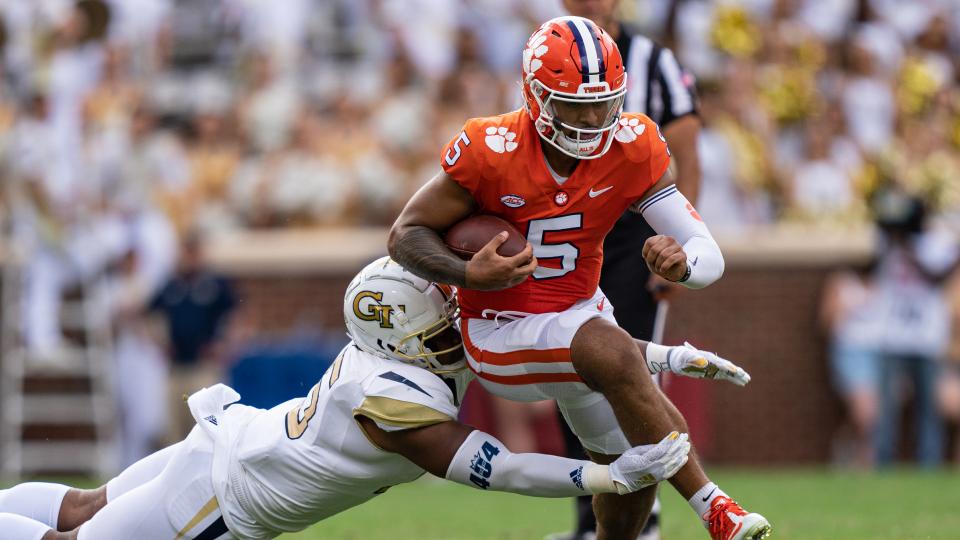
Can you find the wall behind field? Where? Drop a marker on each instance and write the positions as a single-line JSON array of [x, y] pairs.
[[762, 315], [763, 318]]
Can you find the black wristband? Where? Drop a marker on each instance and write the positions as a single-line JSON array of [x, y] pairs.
[[686, 275]]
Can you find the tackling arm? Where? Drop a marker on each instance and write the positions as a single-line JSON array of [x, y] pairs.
[[471, 457]]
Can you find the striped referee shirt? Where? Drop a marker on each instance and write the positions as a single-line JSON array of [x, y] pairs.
[[656, 83]]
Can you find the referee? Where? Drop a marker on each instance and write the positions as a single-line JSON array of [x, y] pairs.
[[658, 87]]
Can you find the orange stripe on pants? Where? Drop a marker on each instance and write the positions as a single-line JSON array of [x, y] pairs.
[[528, 356]]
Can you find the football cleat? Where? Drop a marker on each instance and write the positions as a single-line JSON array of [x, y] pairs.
[[727, 520]]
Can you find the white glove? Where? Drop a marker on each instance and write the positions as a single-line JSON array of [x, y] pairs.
[[646, 465], [689, 361]]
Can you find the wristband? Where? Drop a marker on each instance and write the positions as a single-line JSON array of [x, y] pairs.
[[596, 479], [657, 357]]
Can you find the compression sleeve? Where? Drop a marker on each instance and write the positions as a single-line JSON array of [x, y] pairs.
[[484, 462], [669, 213]]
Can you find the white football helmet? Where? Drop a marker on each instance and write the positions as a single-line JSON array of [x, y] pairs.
[[391, 313]]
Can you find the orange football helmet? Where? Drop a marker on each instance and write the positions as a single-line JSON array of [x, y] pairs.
[[573, 63]]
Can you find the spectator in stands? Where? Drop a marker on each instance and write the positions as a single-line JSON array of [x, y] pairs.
[[736, 172], [270, 106], [110, 103], [298, 184], [821, 187], [912, 266], [66, 242], [867, 94], [214, 151], [141, 374], [847, 312], [949, 391], [195, 304]]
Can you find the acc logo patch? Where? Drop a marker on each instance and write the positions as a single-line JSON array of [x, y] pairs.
[[513, 201]]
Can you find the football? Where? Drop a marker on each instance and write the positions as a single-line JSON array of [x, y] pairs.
[[470, 235]]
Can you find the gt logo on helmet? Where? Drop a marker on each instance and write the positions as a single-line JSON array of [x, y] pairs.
[[374, 311]]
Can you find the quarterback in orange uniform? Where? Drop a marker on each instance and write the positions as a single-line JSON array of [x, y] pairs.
[[536, 325]]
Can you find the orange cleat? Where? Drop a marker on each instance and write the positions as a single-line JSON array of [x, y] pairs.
[[726, 520]]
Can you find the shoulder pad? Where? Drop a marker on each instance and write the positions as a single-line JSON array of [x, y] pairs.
[[640, 138], [404, 397], [481, 144]]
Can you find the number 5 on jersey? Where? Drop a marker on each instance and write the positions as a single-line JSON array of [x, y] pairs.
[[537, 230], [299, 417], [454, 153]]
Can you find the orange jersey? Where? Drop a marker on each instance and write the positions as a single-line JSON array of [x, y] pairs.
[[499, 160]]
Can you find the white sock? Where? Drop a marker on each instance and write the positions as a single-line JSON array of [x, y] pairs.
[[700, 502], [22, 528], [38, 501]]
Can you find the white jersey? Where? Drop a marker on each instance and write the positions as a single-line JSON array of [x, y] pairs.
[[304, 460]]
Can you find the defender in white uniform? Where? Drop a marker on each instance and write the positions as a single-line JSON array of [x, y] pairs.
[[383, 414]]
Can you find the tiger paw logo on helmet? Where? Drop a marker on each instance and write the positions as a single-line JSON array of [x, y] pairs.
[[629, 130], [535, 49], [500, 140]]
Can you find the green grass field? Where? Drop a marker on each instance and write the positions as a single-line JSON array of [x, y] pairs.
[[801, 504]]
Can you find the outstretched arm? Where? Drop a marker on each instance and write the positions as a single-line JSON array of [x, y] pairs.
[[416, 244], [471, 457]]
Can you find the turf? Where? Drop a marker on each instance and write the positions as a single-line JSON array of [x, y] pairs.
[[801, 504]]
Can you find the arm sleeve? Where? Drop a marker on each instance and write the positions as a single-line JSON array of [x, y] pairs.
[[669, 213], [647, 149], [485, 463], [676, 88]]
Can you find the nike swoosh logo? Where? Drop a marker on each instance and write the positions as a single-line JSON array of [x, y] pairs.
[[707, 498], [599, 191], [695, 259]]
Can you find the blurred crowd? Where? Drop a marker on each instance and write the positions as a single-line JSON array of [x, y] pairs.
[[231, 114], [811, 106], [129, 127], [894, 341]]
